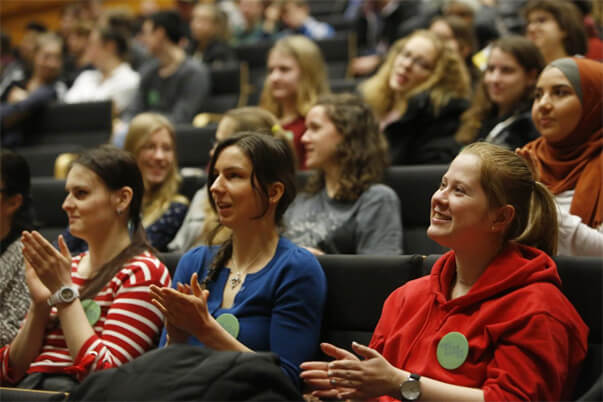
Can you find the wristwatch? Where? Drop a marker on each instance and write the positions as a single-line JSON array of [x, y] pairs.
[[411, 388], [66, 294]]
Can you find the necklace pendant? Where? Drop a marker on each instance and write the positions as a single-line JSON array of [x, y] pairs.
[[235, 280]]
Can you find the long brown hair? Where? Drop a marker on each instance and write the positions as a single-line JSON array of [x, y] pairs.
[[116, 169], [507, 179], [266, 153], [530, 59], [363, 152], [569, 20], [248, 118]]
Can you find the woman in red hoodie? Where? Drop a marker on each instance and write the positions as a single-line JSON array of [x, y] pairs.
[[490, 322]]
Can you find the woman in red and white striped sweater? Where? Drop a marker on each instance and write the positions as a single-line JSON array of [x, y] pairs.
[[93, 311]]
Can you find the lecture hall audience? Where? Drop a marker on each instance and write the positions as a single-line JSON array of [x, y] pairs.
[[101, 299]]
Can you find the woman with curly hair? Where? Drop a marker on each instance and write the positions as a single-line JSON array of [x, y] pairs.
[[151, 139], [344, 209], [296, 78], [418, 95], [500, 111]]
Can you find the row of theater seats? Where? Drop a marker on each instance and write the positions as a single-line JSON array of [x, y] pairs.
[[413, 184], [359, 285]]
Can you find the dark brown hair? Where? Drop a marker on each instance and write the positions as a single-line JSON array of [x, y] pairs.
[[528, 56], [568, 18], [363, 152], [117, 169], [272, 161]]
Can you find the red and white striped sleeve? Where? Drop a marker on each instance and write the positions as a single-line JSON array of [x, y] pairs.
[[5, 378], [131, 323]]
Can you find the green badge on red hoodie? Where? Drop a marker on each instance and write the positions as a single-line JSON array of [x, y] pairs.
[[452, 350]]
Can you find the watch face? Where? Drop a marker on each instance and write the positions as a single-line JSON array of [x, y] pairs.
[[67, 294], [411, 390]]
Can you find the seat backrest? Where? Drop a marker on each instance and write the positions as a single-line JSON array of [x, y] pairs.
[[171, 261], [191, 184], [582, 284], [338, 52], [415, 185], [357, 286], [48, 195], [86, 124], [229, 85], [74, 118], [41, 158], [193, 144]]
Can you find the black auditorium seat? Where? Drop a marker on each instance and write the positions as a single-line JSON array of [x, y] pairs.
[[193, 145], [415, 186], [357, 287], [229, 87], [87, 124], [48, 195]]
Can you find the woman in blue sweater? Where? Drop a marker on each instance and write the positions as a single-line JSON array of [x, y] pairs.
[[257, 291]]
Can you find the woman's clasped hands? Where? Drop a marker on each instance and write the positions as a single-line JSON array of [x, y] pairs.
[[348, 377], [46, 269], [185, 310]]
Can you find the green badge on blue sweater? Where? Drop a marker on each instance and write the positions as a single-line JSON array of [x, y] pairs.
[[230, 323]]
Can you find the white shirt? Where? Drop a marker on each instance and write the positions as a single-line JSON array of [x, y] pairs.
[[576, 238], [120, 87]]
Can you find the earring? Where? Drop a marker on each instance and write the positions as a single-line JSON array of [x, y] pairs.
[[118, 211]]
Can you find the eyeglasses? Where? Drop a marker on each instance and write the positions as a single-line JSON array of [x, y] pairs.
[[416, 61]]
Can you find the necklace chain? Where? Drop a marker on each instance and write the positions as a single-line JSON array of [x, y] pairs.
[[235, 279]]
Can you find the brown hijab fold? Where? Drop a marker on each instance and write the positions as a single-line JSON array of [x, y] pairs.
[[576, 161]]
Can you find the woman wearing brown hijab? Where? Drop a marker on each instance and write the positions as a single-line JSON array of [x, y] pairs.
[[567, 111]]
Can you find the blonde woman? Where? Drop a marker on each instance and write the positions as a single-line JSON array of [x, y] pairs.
[[296, 77], [201, 225], [151, 140], [418, 95]]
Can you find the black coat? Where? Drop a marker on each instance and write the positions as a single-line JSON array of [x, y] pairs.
[[191, 373], [421, 136], [514, 131]]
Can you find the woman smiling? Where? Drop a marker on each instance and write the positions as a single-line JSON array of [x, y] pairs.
[[152, 141], [418, 95]]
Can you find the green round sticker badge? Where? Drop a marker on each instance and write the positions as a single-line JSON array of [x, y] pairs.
[[230, 323], [92, 310], [452, 350]]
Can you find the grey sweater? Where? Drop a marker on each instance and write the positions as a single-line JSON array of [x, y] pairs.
[[370, 225]]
